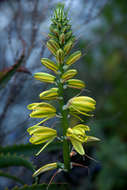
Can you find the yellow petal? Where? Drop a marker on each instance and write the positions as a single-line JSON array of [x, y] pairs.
[[60, 56], [44, 77], [40, 129], [50, 94], [73, 58], [45, 145], [45, 168], [90, 139], [49, 64], [81, 126], [75, 83], [69, 74], [77, 146]]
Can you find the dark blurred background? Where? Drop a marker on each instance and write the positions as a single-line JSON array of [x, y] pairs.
[[100, 28]]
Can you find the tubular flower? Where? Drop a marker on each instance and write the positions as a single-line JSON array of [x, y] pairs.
[[45, 168], [69, 74], [81, 105], [50, 94], [41, 110], [41, 134], [75, 83], [49, 64], [44, 77], [60, 56], [78, 136], [73, 58]]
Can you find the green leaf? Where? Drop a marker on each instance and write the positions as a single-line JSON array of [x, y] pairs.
[[3, 174], [28, 149], [7, 76], [43, 187], [7, 160]]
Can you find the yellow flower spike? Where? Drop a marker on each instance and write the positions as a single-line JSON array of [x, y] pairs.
[[73, 58], [49, 64], [50, 94], [60, 56], [69, 74], [75, 83], [45, 168], [44, 77], [81, 105], [41, 134], [41, 110]]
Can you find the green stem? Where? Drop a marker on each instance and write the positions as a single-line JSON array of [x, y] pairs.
[[64, 122]]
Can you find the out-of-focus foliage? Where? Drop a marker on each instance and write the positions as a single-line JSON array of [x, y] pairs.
[[106, 68]]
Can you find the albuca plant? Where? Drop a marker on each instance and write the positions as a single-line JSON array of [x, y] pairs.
[[60, 43]]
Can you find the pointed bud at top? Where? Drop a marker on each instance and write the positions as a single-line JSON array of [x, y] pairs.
[[44, 77], [59, 13]]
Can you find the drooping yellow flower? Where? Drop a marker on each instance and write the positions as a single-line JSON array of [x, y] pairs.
[[41, 134], [78, 136], [81, 105], [45, 168]]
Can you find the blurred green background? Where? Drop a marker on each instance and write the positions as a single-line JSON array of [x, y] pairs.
[[101, 31]]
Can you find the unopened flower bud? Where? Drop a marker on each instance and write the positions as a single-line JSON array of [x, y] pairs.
[[50, 94], [49, 64], [75, 83], [69, 74], [60, 56], [73, 58], [44, 77]]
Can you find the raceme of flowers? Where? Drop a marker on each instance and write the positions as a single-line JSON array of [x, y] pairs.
[[60, 43]]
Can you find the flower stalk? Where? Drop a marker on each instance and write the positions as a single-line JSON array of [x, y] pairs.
[[60, 43]]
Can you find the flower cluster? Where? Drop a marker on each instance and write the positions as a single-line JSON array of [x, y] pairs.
[[60, 43]]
